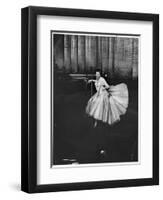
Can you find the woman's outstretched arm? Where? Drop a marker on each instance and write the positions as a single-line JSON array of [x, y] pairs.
[[91, 80]]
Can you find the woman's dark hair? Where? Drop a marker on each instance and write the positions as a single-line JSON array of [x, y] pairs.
[[99, 70]]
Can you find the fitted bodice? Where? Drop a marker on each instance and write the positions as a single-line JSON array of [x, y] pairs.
[[101, 84]]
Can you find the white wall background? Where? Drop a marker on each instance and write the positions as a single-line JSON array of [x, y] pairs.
[[10, 79]]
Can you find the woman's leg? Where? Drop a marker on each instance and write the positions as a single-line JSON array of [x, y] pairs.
[[95, 124]]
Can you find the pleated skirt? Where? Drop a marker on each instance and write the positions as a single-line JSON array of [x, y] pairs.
[[108, 106]]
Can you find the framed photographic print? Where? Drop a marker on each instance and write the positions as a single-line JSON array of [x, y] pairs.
[[90, 99]]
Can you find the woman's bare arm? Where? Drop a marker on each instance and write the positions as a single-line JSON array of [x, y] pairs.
[[91, 80], [105, 84]]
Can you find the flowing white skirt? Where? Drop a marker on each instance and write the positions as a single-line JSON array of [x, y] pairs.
[[109, 105]]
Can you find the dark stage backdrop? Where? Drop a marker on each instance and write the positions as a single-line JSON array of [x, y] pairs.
[[117, 56]]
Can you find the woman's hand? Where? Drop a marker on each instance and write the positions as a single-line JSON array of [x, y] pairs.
[[106, 87], [90, 81]]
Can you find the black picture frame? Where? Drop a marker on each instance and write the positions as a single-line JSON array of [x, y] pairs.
[[29, 98]]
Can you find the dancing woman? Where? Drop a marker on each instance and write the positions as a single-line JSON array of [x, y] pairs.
[[109, 102]]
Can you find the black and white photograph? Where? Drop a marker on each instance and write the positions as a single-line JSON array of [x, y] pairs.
[[94, 98], [90, 99]]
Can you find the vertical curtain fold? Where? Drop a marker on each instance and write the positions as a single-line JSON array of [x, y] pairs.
[[117, 56]]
